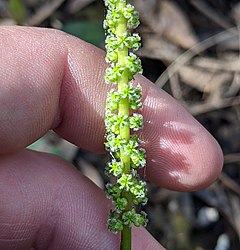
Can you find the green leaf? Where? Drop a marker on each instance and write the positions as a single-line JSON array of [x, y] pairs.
[[17, 9]]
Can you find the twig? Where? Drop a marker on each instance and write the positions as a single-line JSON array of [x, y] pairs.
[[210, 106], [232, 65], [76, 5], [209, 12], [229, 183], [232, 158], [175, 87]]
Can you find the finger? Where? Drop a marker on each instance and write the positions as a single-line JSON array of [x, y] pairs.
[[47, 204], [141, 239], [181, 154], [52, 80]]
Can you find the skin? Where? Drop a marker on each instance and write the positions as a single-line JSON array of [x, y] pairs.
[[50, 80]]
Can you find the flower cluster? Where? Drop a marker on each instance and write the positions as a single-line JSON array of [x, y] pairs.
[[116, 9], [122, 121]]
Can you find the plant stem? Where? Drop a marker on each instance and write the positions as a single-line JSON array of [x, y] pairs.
[[121, 30], [126, 238]]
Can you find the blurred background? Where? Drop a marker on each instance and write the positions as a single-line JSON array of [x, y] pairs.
[[190, 48]]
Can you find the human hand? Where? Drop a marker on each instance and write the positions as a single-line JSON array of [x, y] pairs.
[[50, 80]]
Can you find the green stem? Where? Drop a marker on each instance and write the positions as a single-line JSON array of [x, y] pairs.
[[126, 238], [121, 29]]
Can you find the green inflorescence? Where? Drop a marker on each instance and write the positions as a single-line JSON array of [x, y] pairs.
[[128, 190]]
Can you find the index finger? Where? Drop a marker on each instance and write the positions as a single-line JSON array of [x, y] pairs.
[[50, 80]]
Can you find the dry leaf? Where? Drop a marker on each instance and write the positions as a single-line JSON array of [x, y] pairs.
[[158, 48], [165, 18], [202, 80], [74, 6]]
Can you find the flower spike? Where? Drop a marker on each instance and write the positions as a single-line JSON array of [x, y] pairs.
[[122, 120]]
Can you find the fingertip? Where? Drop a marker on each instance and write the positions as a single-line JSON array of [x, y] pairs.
[[181, 154], [143, 240]]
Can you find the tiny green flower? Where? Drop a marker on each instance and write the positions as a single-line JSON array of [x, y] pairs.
[[112, 102], [138, 190], [129, 217], [113, 73], [115, 168], [140, 219], [130, 147], [113, 191], [138, 158], [115, 122], [133, 64], [136, 122], [111, 56], [115, 224], [121, 204], [132, 16], [114, 143], [125, 181]]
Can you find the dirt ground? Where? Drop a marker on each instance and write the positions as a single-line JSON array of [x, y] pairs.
[[190, 48]]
